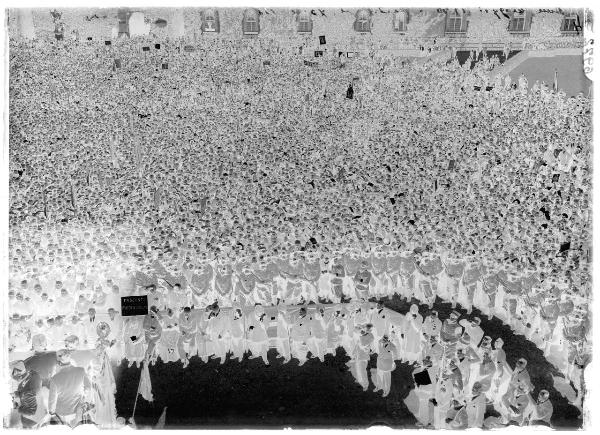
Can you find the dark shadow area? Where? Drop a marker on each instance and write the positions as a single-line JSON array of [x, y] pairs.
[[250, 394]]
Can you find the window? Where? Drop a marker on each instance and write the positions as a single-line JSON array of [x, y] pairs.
[[571, 24], [305, 23], [400, 21], [250, 23], [210, 21], [456, 22], [520, 22], [362, 23]]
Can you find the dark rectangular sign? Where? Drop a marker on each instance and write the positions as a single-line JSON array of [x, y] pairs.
[[134, 305]]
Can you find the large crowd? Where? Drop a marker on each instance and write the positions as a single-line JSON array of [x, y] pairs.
[[236, 173]]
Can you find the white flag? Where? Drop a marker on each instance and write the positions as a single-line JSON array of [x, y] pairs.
[[146, 384]]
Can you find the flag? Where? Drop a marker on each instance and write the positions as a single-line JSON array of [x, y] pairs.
[[555, 85], [146, 384], [73, 196], [160, 424]]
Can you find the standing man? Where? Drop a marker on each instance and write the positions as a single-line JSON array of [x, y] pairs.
[[27, 400], [382, 375], [69, 388]]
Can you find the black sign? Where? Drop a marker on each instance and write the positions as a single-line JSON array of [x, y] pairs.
[[107, 43], [165, 66], [157, 46], [58, 36], [422, 378], [318, 53], [322, 40], [145, 48], [134, 306], [266, 62]]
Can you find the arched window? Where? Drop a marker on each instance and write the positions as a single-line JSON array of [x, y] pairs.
[[362, 23], [456, 21], [305, 23], [250, 22], [210, 21], [400, 21]]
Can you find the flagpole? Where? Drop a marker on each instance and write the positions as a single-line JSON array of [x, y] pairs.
[[137, 394]]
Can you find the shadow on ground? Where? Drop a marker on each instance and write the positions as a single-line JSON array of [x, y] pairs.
[[250, 394]]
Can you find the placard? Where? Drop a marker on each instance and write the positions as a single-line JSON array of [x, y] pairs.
[[134, 305], [107, 42]]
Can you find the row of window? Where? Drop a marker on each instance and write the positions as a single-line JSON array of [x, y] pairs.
[[519, 22], [456, 22], [251, 21]]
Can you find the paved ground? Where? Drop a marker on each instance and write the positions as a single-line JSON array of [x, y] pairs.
[[314, 395], [571, 78]]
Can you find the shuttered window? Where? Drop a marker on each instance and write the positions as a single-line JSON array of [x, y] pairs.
[[520, 22], [362, 23], [305, 23], [250, 23], [210, 23], [400, 21], [571, 24], [456, 22]]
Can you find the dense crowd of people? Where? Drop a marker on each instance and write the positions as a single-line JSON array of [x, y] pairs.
[[235, 172], [458, 372]]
